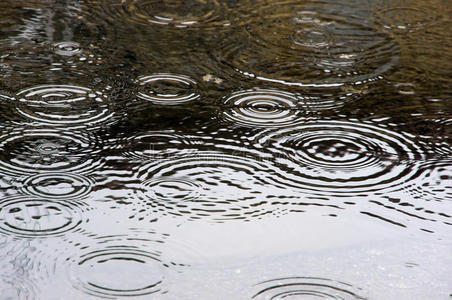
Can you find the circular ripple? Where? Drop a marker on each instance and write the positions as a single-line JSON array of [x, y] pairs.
[[167, 89], [157, 145], [409, 16], [34, 217], [171, 190], [305, 287], [63, 104], [58, 186], [130, 262], [67, 48], [311, 45], [262, 108], [125, 265], [180, 14], [32, 151], [342, 157], [205, 185]]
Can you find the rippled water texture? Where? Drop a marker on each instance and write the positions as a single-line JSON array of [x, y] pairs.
[[210, 149]]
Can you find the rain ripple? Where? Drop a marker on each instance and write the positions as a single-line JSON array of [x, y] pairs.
[[306, 287], [114, 266], [263, 108], [57, 186], [179, 14], [167, 89], [63, 105], [26, 216], [310, 44], [341, 157], [31, 151], [214, 186]]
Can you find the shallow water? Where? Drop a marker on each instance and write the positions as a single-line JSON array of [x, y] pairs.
[[225, 149]]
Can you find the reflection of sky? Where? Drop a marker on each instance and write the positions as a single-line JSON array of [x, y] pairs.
[[373, 258]]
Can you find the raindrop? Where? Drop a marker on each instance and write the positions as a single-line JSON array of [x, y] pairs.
[[67, 48]]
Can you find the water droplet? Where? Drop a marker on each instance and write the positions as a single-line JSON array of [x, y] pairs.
[[67, 48]]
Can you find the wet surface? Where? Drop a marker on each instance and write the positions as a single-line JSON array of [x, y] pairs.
[[225, 149]]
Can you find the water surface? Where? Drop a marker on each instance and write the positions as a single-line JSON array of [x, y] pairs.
[[225, 149]]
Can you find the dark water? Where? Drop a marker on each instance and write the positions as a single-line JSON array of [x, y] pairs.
[[225, 149]]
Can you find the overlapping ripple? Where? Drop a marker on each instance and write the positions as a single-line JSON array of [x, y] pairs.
[[167, 89], [123, 265], [342, 157], [306, 288], [262, 108], [63, 105], [206, 185], [36, 217], [178, 14], [432, 181], [310, 44], [31, 151]]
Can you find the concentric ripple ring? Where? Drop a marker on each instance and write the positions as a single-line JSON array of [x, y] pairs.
[[32, 151], [342, 157], [63, 105], [262, 108], [61, 186], [310, 46], [167, 89]]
